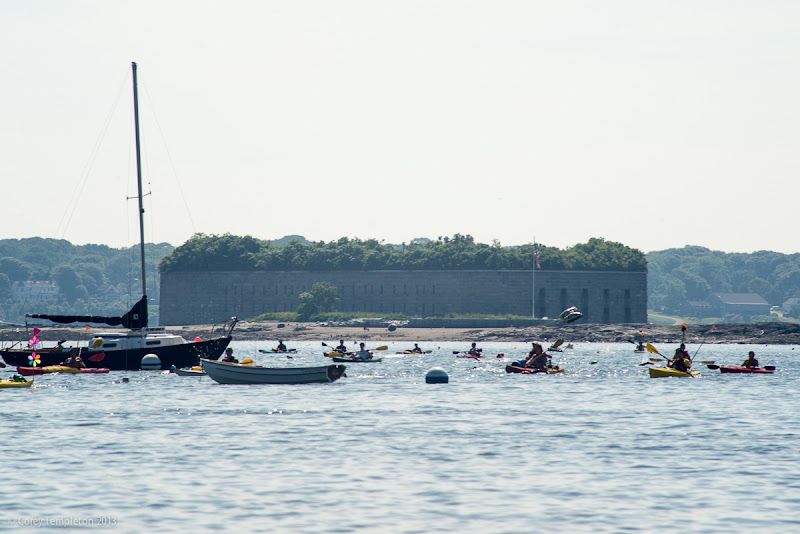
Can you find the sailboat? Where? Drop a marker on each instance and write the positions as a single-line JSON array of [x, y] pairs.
[[139, 347]]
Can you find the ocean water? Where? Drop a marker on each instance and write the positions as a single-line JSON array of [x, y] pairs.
[[601, 448]]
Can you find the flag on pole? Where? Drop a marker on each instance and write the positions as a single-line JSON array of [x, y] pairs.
[[536, 255]]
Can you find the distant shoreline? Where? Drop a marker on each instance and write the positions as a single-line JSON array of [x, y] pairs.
[[752, 333]]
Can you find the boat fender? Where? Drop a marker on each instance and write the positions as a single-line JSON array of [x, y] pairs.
[[150, 362], [437, 375], [97, 342]]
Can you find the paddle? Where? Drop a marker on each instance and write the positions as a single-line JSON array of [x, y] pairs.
[[651, 348], [2, 365]]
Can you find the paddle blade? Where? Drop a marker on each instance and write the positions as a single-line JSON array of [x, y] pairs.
[[713, 366], [769, 367], [248, 361], [382, 347], [97, 357], [651, 348]]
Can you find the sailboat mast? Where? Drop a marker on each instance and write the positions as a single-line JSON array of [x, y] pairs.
[[139, 175]]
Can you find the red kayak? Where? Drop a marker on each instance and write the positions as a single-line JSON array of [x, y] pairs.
[[30, 371], [745, 370], [533, 371]]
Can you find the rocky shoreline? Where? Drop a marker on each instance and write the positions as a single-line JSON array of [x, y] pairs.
[[772, 333]]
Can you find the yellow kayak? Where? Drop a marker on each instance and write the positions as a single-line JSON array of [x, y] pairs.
[[16, 383], [658, 372]]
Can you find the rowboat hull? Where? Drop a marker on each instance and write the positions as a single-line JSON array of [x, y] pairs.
[[235, 373], [745, 370], [16, 384], [532, 371], [660, 372]]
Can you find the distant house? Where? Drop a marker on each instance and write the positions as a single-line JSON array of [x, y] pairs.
[[700, 308], [35, 291], [738, 307], [109, 293], [790, 303]]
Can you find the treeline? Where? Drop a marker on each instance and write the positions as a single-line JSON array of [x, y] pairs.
[[679, 275], [460, 252], [92, 279]]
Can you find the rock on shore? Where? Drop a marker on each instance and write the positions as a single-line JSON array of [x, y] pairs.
[[772, 333]]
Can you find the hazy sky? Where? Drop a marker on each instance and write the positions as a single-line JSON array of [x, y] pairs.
[[653, 123]]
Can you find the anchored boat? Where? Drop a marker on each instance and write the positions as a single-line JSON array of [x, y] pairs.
[[125, 350]]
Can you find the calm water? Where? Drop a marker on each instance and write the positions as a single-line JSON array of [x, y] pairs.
[[602, 448]]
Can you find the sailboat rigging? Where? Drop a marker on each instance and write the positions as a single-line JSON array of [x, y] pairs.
[[125, 350]]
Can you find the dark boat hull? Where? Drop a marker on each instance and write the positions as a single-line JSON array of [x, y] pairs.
[[533, 371], [183, 355]]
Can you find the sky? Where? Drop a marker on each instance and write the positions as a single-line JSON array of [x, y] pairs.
[[655, 124]]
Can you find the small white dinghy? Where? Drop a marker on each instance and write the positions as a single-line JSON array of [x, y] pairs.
[[237, 373]]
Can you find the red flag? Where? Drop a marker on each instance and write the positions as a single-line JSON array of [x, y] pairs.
[[36, 331], [97, 357], [536, 255]]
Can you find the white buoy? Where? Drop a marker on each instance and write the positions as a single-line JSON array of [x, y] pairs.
[[150, 362], [437, 375]]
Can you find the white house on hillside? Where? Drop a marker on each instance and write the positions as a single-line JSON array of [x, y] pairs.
[[35, 291]]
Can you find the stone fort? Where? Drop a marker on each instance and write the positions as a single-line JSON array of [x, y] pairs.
[[602, 296]]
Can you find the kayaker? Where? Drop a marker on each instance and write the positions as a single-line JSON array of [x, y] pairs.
[[474, 351], [537, 357], [750, 362], [416, 349], [229, 356], [682, 361], [281, 346], [341, 348], [74, 359], [363, 354]]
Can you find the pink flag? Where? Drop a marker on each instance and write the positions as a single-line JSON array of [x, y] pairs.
[[36, 331], [536, 255]]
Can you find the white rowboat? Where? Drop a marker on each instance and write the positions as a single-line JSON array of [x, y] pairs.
[[236, 373]]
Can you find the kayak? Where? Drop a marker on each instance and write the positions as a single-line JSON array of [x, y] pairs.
[[30, 371], [744, 370], [16, 384], [189, 372], [276, 351], [658, 372], [533, 371], [354, 360]]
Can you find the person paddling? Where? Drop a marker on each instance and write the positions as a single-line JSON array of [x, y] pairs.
[[474, 352], [682, 361], [363, 354], [281, 346], [74, 360], [537, 358], [751, 362], [416, 349], [341, 348]]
